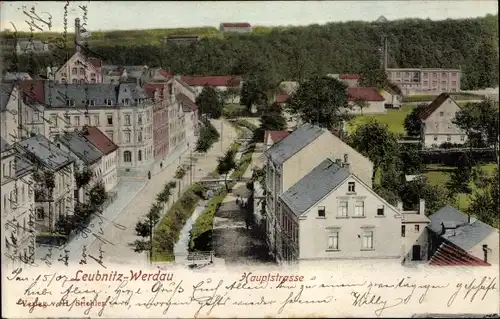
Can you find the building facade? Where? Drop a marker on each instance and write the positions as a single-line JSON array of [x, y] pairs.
[[18, 207], [348, 219], [123, 112], [229, 86], [235, 27], [414, 81], [365, 101], [78, 70], [290, 160], [191, 119], [160, 94], [437, 122]]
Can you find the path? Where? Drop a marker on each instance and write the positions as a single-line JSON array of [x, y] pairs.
[[121, 251]]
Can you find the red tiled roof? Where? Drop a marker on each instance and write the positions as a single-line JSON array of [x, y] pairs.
[[100, 140], [224, 80], [237, 25], [431, 108], [282, 98], [364, 94], [150, 88], [349, 76], [187, 101], [276, 136], [449, 254], [165, 73], [34, 90], [96, 62]]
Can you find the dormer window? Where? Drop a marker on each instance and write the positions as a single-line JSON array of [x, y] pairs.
[[70, 102], [108, 102], [126, 102], [91, 102]]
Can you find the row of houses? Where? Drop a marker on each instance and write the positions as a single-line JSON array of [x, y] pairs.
[[323, 207]]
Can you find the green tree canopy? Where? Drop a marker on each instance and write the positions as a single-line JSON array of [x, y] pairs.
[[413, 123], [210, 102], [226, 163]]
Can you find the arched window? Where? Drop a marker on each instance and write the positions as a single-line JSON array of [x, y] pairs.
[[139, 155], [82, 71], [92, 81], [74, 71], [63, 81], [127, 157]]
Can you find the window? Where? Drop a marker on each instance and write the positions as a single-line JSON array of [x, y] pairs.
[[82, 71], [63, 81], [127, 156], [380, 210], [435, 138], [139, 136], [74, 71], [454, 74], [417, 228], [425, 75], [110, 135], [368, 239], [108, 102], [454, 83], [139, 155], [139, 119], [53, 120], [127, 119], [403, 230], [110, 119], [74, 81], [92, 81], [443, 74], [91, 102], [441, 113], [333, 241], [126, 102], [426, 83], [359, 209], [321, 211], [96, 120], [92, 74], [36, 116], [343, 209], [76, 120], [351, 188], [127, 137], [87, 120], [448, 138], [71, 102], [462, 138]]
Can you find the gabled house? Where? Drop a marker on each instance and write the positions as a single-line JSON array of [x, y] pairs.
[[78, 70], [86, 156], [273, 137], [332, 214], [227, 85], [54, 180], [191, 118], [109, 161], [365, 101], [291, 159], [456, 238], [437, 122]]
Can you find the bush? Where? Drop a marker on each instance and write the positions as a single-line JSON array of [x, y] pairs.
[[450, 157]]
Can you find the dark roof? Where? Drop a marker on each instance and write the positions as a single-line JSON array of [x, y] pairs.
[[81, 147], [314, 186], [45, 151], [449, 254], [219, 80], [236, 25], [460, 232], [99, 92], [364, 94], [187, 104], [276, 136], [99, 140], [433, 106], [5, 94], [23, 166], [4, 146], [297, 140]]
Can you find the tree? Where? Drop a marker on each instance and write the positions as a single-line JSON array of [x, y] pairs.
[[361, 104], [253, 92], [376, 78], [321, 100], [225, 164], [485, 201], [229, 95], [208, 136], [412, 191], [272, 119], [461, 177], [179, 175], [411, 160], [97, 196], [413, 123], [209, 102], [375, 141], [82, 177]]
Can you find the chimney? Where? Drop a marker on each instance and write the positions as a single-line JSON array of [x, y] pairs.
[[77, 35], [346, 158], [399, 205], [421, 207], [443, 229], [485, 251], [338, 161], [347, 166]]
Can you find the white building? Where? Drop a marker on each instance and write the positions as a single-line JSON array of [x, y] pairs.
[[18, 207], [290, 160], [437, 122], [332, 214], [414, 81], [229, 86], [365, 101], [123, 112], [54, 180], [191, 118], [392, 98]]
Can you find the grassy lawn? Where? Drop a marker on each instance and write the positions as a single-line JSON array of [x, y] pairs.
[[394, 118], [440, 174]]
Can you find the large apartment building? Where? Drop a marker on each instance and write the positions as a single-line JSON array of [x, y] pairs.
[[432, 81], [123, 112]]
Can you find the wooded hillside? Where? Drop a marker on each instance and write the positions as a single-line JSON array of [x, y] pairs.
[[295, 53]]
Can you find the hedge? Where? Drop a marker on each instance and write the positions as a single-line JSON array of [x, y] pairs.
[[168, 231], [450, 157]]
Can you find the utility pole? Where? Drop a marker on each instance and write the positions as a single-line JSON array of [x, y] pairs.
[[150, 239]]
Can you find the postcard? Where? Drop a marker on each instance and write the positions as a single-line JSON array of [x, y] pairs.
[[249, 159]]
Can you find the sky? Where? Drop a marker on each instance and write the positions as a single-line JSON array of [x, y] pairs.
[[126, 15]]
